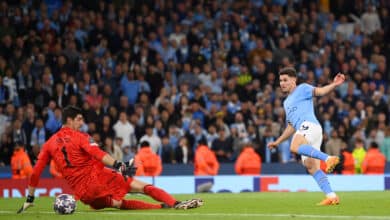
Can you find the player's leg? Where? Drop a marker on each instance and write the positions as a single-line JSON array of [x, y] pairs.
[[109, 202], [152, 191], [137, 204], [162, 196], [313, 167], [101, 203], [109, 190], [300, 146], [311, 132]]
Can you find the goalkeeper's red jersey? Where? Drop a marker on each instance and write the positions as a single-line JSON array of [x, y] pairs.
[[76, 156]]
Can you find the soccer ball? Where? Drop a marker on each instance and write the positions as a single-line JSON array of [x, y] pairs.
[[64, 204]]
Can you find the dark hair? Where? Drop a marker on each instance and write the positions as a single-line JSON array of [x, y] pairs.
[[358, 140], [202, 141], [221, 128], [374, 145], [149, 126], [19, 144], [144, 144], [290, 71], [70, 111]]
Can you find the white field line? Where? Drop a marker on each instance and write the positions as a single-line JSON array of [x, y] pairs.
[[250, 215]]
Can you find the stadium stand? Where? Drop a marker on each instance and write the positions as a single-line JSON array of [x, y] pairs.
[[193, 69]]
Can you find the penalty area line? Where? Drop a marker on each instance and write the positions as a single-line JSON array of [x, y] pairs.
[[250, 215]]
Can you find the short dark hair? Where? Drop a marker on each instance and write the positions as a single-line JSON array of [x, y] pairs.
[[290, 71], [358, 140], [70, 111], [149, 126], [144, 144], [19, 144], [374, 145], [202, 141]]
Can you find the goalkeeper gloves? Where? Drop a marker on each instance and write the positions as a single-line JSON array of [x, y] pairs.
[[126, 168], [27, 204]]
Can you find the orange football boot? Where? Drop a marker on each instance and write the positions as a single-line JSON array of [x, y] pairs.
[[330, 201], [331, 163]]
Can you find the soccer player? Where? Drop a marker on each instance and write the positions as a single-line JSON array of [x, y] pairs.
[[302, 122], [82, 165]]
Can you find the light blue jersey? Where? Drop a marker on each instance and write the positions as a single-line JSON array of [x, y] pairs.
[[299, 106]]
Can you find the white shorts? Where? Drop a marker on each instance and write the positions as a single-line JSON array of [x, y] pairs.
[[312, 133]]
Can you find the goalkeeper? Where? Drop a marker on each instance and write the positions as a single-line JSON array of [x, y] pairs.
[[82, 164]]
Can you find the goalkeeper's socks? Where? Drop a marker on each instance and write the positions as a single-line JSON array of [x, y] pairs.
[[136, 204], [322, 181], [310, 151], [159, 195]]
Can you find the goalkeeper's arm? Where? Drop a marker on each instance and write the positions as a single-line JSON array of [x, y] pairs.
[[43, 159], [108, 160], [105, 158], [29, 201], [127, 168]]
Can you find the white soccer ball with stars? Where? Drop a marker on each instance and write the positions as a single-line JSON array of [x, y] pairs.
[[64, 204]]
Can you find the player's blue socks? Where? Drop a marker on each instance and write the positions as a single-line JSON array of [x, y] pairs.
[[322, 181], [310, 151]]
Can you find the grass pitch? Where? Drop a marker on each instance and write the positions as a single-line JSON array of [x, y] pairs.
[[226, 206]]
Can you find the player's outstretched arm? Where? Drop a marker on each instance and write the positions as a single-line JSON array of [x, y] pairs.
[[338, 80], [288, 131], [43, 159], [29, 201], [125, 168]]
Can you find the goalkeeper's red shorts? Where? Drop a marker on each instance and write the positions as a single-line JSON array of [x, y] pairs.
[[106, 183]]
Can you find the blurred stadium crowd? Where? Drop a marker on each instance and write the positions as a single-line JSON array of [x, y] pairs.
[[176, 73]]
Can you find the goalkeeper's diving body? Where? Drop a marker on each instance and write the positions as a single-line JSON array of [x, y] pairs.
[[82, 164], [307, 131]]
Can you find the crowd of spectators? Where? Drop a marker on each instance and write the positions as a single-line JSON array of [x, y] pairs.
[[175, 73]]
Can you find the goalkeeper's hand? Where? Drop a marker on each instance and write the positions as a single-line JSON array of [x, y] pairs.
[[126, 168], [29, 203]]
